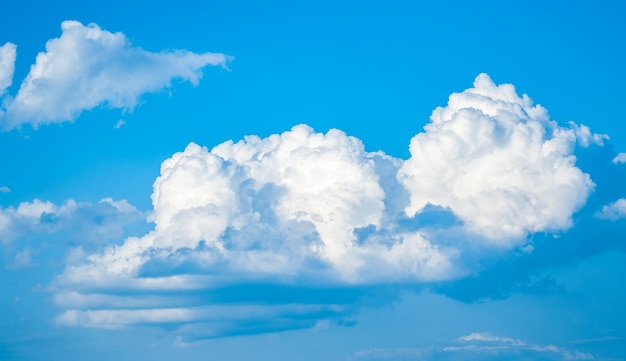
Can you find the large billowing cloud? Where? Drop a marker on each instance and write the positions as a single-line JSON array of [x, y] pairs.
[[266, 220], [86, 67], [499, 163], [280, 207]]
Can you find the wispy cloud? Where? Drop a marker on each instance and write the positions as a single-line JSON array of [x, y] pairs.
[[86, 67], [487, 343], [120, 123], [477, 346]]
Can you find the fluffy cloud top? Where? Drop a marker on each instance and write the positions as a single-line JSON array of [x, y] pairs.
[[280, 207], [86, 67], [307, 209], [499, 163]]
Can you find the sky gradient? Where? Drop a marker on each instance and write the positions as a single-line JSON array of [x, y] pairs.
[[328, 181]]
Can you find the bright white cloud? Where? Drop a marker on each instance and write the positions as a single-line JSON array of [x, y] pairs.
[[620, 158], [499, 163], [275, 207], [306, 208], [86, 67], [7, 66], [613, 211]]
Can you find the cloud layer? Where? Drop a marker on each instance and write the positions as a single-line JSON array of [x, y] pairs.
[[314, 210], [86, 67], [478, 346]]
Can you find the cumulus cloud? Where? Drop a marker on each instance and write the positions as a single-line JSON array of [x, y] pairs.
[[7, 66], [499, 163], [86, 67], [277, 207], [308, 211], [613, 211]]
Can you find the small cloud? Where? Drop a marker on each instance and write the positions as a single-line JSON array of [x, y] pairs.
[[87, 67], [119, 124], [585, 137], [476, 346], [5, 189], [620, 158], [485, 342], [596, 340], [613, 211], [22, 260], [487, 337]]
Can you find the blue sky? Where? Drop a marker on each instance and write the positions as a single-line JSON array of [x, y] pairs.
[[323, 181]]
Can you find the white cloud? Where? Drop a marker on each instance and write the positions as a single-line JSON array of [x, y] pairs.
[[275, 207], [303, 208], [117, 318], [479, 345], [620, 158], [613, 211], [87, 66], [585, 137], [7, 66], [23, 259], [5, 189], [88, 222], [499, 163], [119, 124], [476, 343], [488, 337]]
